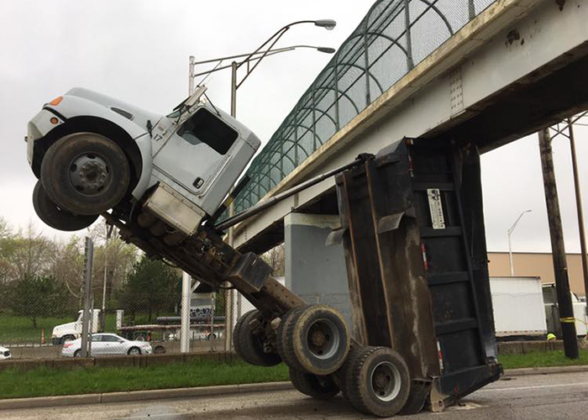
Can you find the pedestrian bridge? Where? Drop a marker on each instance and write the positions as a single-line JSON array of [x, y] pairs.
[[480, 72]]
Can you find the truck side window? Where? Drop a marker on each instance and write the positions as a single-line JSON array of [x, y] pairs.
[[204, 127]]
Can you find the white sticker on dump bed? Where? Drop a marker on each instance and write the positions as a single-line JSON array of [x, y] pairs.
[[436, 208]]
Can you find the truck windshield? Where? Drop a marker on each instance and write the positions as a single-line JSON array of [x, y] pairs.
[[204, 127]]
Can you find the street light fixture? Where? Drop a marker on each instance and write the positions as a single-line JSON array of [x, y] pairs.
[[510, 231], [264, 50], [257, 56]]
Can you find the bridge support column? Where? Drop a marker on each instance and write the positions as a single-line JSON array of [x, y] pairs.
[[315, 272]]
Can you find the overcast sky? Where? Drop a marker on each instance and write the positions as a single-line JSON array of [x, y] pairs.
[[138, 52]]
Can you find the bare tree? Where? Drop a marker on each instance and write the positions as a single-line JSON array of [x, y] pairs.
[[33, 253], [275, 258]]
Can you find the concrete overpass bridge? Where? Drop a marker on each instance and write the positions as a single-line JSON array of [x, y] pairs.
[[480, 73]]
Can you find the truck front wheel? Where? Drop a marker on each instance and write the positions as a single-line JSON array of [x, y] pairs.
[[85, 173], [54, 216]]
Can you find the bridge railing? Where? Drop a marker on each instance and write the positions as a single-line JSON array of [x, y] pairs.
[[394, 36]]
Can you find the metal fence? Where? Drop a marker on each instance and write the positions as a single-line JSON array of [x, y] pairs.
[[47, 314], [30, 329], [394, 37]]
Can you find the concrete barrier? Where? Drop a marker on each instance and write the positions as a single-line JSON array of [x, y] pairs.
[[504, 348], [117, 361]]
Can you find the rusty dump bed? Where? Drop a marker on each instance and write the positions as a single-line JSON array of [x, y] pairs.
[[413, 232]]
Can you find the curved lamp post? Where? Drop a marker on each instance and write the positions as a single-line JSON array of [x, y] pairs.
[[252, 60]]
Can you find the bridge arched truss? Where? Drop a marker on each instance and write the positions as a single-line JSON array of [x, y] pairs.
[[393, 37]]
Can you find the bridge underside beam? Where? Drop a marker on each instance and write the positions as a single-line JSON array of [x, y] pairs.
[[530, 105]]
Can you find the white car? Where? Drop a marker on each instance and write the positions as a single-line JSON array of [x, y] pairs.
[[5, 353], [105, 345], [92, 153]]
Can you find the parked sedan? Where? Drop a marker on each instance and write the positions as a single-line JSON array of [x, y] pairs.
[[105, 345], [5, 353]]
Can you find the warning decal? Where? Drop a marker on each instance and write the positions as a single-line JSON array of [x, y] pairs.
[[436, 208]]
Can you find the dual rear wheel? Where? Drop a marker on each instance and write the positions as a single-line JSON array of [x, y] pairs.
[[314, 341]]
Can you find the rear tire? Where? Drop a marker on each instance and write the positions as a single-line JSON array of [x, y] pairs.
[[417, 398], [283, 340], [249, 345], [85, 173], [78, 353], [317, 340], [319, 387], [377, 381], [54, 216]]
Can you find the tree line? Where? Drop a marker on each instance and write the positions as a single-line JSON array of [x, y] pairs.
[[43, 277]]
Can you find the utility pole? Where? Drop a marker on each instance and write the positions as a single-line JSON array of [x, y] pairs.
[[103, 314], [564, 298], [88, 261], [579, 208]]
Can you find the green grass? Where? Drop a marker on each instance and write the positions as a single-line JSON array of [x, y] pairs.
[[51, 382], [537, 359], [19, 329]]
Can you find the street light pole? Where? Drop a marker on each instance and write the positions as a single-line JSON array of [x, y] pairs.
[[510, 231], [191, 76], [234, 68]]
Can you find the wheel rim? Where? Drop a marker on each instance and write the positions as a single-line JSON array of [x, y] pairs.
[[134, 351], [385, 381], [323, 338], [89, 173]]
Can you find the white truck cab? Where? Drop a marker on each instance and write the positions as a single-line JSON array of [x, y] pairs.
[[73, 330], [93, 153]]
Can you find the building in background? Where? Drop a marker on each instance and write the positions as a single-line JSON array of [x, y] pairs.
[[536, 264]]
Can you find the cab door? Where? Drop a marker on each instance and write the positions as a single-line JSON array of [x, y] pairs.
[[197, 151]]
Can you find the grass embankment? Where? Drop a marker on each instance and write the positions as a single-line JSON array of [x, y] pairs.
[[537, 359], [51, 382], [54, 382]]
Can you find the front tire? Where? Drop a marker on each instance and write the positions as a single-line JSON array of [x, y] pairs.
[[85, 173], [67, 338], [134, 351], [54, 216]]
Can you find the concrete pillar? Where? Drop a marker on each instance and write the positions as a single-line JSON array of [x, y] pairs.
[[314, 271]]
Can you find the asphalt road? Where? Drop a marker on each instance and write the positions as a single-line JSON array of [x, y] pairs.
[[537, 397]]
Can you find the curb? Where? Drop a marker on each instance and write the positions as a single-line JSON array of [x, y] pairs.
[[111, 397], [545, 370]]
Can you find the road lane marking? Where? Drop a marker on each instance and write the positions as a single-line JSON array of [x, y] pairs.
[[522, 388]]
